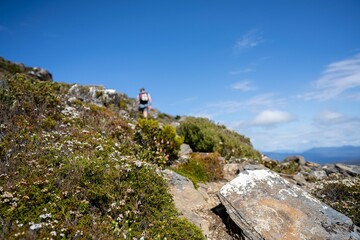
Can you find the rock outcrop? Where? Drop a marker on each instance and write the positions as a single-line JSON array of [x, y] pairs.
[[39, 73], [34, 72], [266, 206], [196, 204]]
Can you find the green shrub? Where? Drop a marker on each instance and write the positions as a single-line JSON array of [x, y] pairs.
[[204, 136], [201, 168], [344, 198], [199, 133], [290, 168], [11, 67], [159, 145]]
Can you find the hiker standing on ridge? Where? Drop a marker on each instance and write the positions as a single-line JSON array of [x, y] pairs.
[[144, 102]]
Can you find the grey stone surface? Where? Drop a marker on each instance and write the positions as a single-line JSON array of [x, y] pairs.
[[187, 199], [185, 149], [266, 206], [352, 170], [318, 175]]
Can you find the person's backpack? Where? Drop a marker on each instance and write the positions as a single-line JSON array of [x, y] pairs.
[[144, 97]]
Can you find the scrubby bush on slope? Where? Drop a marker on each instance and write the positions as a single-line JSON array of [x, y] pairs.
[[201, 168], [69, 171], [204, 136], [159, 145], [344, 196]]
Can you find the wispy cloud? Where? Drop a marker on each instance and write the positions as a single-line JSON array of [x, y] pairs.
[[244, 70], [251, 39], [253, 104], [330, 117], [272, 117], [337, 78], [243, 86], [268, 100]]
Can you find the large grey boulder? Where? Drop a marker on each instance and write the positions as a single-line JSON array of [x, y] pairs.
[[266, 206], [187, 199], [343, 169], [351, 170]]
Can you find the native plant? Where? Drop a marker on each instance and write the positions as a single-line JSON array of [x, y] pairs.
[[344, 196], [201, 168], [159, 145], [68, 170], [205, 136]]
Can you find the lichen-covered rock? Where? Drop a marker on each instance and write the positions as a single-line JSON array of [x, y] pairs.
[[266, 206], [39, 73]]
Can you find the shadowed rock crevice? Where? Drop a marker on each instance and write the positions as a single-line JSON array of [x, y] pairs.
[[233, 229]]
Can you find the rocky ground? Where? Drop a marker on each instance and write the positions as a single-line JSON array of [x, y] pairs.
[[202, 206]]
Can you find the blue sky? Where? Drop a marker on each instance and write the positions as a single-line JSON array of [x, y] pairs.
[[286, 74]]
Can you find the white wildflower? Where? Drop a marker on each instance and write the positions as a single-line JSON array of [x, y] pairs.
[[100, 148], [44, 216], [7, 195], [138, 164], [36, 226]]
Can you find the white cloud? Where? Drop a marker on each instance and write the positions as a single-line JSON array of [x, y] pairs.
[[243, 86], [337, 78], [264, 101], [330, 128], [272, 117], [245, 70], [251, 39], [330, 117]]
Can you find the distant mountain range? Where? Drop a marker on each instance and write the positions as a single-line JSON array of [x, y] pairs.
[[323, 155]]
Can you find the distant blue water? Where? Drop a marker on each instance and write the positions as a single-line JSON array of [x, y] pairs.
[[316, 158]]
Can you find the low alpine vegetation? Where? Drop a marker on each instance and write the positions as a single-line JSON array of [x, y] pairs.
[[75, 170], [202, 168], [159, 145], [205, 136], [342, 195]]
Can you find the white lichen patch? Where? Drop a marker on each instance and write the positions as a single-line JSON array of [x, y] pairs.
[[284, 193], [247, 180], [315, 200]]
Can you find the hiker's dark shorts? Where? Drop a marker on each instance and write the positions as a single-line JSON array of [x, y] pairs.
[[143, 107]]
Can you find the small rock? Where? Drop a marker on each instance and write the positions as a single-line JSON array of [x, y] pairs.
[[318, 175]]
